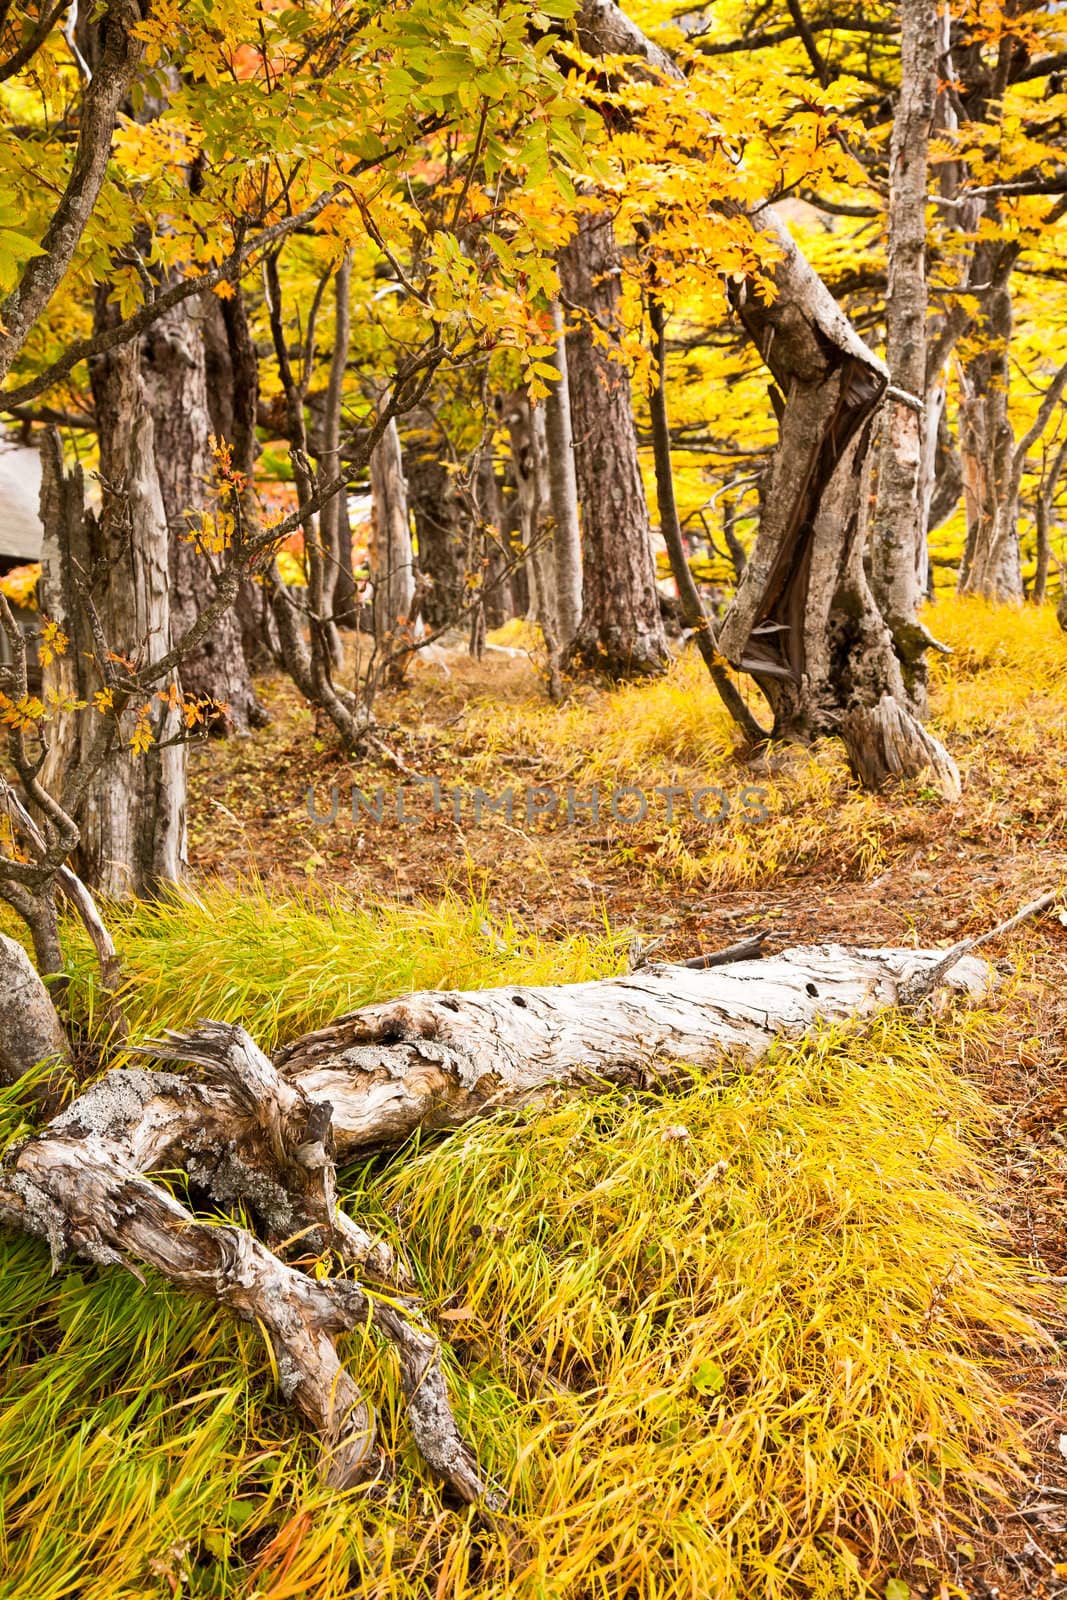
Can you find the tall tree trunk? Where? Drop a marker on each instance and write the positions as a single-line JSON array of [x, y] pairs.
[[1044, 514], [898, 531], [132, 820], [529, 454], [621, 631], [233, 393], [393, 561], [497, 604], [340, 583], [992, 564], [437, 511], [563, 492], [174, 367]]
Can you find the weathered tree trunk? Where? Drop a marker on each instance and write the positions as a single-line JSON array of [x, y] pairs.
[[621, 631], [898, 530], [437, 511], [30, 1029], [436, 1060], [992, 563], [339, 584], [563, 492], [393, 561], [1044, 515], [132, 817], [261, 1134], [174, 367], [804, 621]]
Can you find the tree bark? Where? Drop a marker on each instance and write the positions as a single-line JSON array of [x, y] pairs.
[[898, 530], [174, 366], [393, 560], [438, 516], [563, 492], [992, 560], [106, 581], [621, 630]]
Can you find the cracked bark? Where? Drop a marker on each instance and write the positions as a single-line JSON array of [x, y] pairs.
[[621, 630]]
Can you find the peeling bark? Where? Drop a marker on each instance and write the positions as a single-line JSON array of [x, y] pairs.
[[436, 1060]]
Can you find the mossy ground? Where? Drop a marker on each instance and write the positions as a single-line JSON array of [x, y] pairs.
[[774, 1335]]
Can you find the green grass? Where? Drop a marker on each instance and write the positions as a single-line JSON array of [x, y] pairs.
[[284, 964], [754, 1359]]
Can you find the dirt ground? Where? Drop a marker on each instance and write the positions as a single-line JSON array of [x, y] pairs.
[[946, 873]]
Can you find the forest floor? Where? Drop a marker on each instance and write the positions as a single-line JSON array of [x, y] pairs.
[[774, 1335], [824, 864]]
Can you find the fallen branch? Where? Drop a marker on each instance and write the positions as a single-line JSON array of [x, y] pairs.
[[925, 983]]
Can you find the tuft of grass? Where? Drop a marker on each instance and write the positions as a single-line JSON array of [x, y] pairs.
[[283, 964], [738, 1340]]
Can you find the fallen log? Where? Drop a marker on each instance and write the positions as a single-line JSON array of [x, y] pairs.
[[436, 1060], [266, 1136]]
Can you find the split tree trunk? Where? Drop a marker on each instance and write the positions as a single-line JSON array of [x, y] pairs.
[[898, 531], [804, 621], [174, 367], [621, 631]]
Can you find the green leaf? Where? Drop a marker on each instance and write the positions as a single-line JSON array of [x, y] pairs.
[[897, 1589], [709, 1378]]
